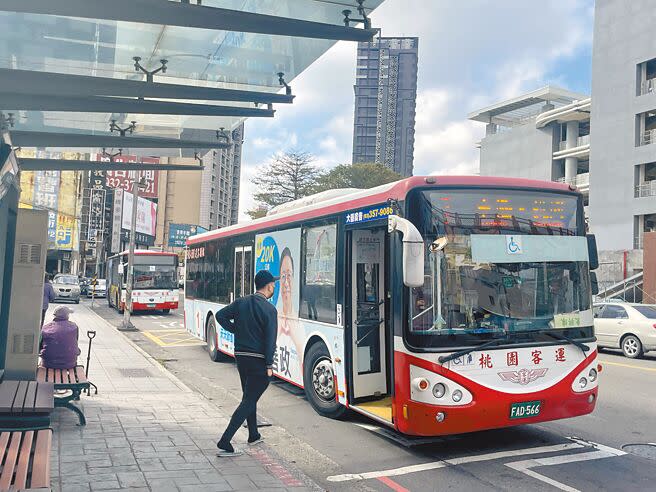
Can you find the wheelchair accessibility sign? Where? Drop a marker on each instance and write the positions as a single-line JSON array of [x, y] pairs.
[[514, 245]]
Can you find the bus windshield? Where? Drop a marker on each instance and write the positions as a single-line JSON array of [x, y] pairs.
[[155, 272], [476, 289]]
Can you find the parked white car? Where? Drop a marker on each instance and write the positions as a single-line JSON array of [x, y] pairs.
[[630, 327]]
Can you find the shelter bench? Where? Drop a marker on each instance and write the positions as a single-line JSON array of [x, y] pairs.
[[73, 380], [25, 459]]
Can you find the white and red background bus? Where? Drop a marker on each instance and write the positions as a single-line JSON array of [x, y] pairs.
[[155, 281], [434, 305]]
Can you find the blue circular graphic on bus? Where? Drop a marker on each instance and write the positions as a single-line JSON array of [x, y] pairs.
[[267, 258]]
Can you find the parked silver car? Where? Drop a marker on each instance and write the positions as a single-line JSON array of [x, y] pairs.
[[630, 327], [67, 288]]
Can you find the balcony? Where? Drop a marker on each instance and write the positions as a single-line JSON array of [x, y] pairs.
[[648, 137], [645, 189], [638, 241], [581, 181], [580, 142], [648, 86]]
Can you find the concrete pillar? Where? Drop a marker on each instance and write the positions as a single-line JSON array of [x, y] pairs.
[[571, 163], [490, 129]]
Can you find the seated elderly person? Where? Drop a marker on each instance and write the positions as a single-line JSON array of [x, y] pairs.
[[59, 338]]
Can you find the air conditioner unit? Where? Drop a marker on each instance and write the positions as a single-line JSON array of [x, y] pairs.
[[26, 294]]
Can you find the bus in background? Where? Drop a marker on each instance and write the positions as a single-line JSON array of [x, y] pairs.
[[155, 281], [433, 305]]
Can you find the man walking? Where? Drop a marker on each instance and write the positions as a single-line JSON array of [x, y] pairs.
[[254, 321]]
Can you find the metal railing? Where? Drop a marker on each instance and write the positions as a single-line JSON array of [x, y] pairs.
[[580, 180], [648, 86], [648, 137], [638, 241], [629, 289], [580, 142], [583, 140], [645, 189]]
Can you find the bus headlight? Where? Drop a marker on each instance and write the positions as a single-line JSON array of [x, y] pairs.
[[439, 390], [587, 379]]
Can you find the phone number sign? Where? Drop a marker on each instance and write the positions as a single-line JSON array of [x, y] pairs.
[[369, 214]]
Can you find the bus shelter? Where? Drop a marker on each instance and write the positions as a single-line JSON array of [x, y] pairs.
[[146, 77]]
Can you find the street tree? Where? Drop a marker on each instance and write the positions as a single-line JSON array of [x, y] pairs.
[[360, 175], [289, 176]]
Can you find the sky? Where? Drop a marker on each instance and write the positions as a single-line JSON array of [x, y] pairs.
[[472, 53]]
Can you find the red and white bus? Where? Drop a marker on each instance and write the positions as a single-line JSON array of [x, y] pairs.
[[434, 305], [155, 281]]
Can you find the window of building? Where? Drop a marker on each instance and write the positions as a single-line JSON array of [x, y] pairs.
[[318, 292]]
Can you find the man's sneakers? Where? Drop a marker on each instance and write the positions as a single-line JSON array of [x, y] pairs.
[[256, 440], [227, 451]]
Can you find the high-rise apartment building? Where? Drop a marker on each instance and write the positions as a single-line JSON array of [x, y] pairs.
[[219, 193], [385, 101]]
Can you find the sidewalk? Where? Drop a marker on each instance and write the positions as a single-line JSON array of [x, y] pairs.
[[147, 431]]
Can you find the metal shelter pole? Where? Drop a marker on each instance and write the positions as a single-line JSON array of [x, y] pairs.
[[127, 324]]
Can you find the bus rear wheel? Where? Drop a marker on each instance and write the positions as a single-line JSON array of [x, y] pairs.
[[212, 342], [319, 382]]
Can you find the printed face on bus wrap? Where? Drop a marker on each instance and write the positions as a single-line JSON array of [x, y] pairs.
[[286, 281]]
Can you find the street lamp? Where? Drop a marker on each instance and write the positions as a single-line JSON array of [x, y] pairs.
[[139, 184]]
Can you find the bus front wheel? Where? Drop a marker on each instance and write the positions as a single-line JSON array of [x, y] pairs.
[[319, 382]]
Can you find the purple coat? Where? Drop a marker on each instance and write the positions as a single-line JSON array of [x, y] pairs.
[[59, 348]]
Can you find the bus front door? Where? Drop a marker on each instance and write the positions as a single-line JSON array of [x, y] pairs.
[[368, 313]]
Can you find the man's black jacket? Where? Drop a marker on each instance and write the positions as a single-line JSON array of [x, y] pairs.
[[254, 321]]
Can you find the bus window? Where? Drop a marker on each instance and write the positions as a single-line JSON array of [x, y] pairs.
[[319, 253]]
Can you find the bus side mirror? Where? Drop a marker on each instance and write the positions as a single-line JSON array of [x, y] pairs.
[[593, 255], [594, 284], [413, 250]]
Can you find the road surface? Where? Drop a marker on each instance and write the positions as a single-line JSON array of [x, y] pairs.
[[608, 450]]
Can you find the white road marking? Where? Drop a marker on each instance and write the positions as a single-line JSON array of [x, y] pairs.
[[525, 466], [453, 462]]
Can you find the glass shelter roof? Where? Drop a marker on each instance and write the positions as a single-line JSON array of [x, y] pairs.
[[194, 57]]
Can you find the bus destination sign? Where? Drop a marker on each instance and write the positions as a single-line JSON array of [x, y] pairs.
[[369, 214]]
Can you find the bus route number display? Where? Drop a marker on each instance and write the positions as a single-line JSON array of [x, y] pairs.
[[369, 214]]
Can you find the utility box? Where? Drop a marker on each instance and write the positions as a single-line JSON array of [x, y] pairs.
[[26, 294]]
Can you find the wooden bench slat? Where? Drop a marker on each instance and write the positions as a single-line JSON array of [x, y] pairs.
[[10, 461], [30, 397], [79, 374], [51, 375], [19, 400], [20, 482], [4, 440], [45, 398], [41, 461], [41, 374], [7, 395]]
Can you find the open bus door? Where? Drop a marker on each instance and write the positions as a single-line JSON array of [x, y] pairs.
[[369, 340]]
